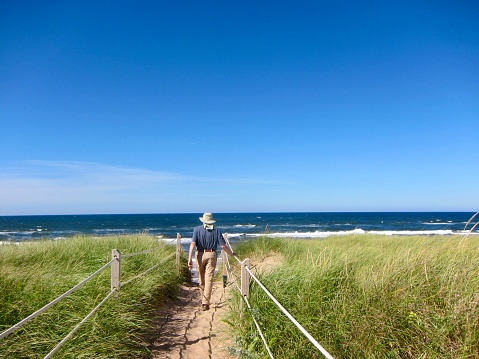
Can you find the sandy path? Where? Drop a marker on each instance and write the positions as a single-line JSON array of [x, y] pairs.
[[186, 331]]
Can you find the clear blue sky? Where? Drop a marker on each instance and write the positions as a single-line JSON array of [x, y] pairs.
[[238, 106]]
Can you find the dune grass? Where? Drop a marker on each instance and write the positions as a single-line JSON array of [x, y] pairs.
[[33, 274], [366, 297]]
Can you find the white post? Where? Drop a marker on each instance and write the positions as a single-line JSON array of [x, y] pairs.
[[115, 269], [178, 252]]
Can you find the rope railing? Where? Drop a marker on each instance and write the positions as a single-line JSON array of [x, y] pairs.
[[231, 273], [116, 284], [143, 252], [258, 328], [147, 271], [115, 287], [53, 302], [245, 294], [69, 335], [291, 318]]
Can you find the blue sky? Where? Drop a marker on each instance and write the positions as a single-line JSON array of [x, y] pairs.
[[188, 106]]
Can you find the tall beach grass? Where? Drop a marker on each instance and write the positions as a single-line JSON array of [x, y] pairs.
[[35, 273], [366, 296]]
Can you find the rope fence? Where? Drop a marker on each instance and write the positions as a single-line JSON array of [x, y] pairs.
[[69, 335], [143, 252], [246, 276], [53, 302], [290, 317], [115, 285], [258, 328], [148, 270]]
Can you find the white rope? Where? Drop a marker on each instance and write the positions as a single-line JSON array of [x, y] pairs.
[[258, 328], [231, 273], [229, 245], [69, 335], [41, 310], [148, 270], [295, 322], [143, 252], [291, 318]]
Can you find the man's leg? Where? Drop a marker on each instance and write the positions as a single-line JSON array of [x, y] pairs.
[[200, 268], [210, 266]]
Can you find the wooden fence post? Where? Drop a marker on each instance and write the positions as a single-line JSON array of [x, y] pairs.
[[224, 258], [115, 269], [245, 279], [178, 252]]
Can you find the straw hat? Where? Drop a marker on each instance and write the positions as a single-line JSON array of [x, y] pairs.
[[207, 218]]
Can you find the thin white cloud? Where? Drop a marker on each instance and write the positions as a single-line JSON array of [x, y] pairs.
[[45, 183], [101, 174], [80, 187]]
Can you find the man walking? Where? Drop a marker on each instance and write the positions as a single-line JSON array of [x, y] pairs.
[[206, 239]]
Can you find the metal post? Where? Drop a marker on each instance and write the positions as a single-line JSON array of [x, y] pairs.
[[178, 252], [245, 279], [115, 269]]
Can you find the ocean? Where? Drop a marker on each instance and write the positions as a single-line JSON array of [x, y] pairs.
[[238, 226]]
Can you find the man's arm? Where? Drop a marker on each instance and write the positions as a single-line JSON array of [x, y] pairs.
[[227, 250], [190, 255], [224, 246]]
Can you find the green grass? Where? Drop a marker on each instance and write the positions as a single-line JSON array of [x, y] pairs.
[[367, 297], [33, 274]]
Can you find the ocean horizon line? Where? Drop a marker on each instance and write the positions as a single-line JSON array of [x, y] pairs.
[[239, 212]]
